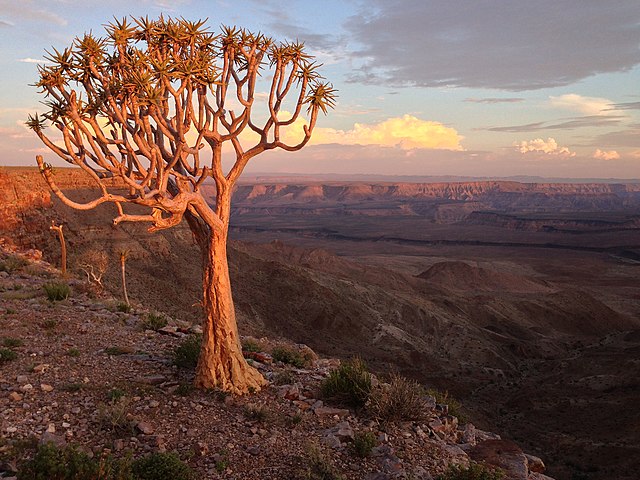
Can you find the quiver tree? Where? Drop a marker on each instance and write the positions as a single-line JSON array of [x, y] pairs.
[[158, 104], [63, 246]]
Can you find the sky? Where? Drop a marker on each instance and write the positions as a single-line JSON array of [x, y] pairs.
[[489, 88]]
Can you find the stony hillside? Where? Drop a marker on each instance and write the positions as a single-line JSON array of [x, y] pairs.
[[87, 373]]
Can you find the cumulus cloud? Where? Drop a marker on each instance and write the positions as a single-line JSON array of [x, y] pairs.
[[406, 132], [548, 146], [606, 154], [578, 103], [516, 45]]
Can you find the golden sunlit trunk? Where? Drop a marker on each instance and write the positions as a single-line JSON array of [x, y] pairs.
[[221, 364]]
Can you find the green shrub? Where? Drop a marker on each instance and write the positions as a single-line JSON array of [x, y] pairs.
[[475, 471], [12, 264], [184, 389], [401, 400], [285, 377], [53, 463], [317, 465], [349, 384], [454, 406], [12, 342], [363, 443], [72, 387], [251, 346], [49, 324], [124, 307], [115, 394], [154, 321], [73, 352], [116, 350], [7, 355], [57, 291], [255, 412], [291, 357], [161, 466], [186, 354]]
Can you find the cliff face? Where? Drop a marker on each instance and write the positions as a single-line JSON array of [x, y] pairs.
[[26, 201], [624, 194]]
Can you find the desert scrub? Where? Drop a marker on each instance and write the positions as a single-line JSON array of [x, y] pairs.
[[154, 321], [363, 443], [285, 377], [291, 356], [454, 407], [475, 471], [123, 307], [251, 346], [12, 264], [115, 395], [116, 350], [349, 384], [161, 466], [317, 465], [73, 352], [49, 324], [399, 400], [7, 355], [115, 417], [69, 463], [186, 354], [256, 413], [10, 342], [57, 291]]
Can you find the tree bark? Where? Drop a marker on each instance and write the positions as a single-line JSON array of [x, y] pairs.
[[221, 364]]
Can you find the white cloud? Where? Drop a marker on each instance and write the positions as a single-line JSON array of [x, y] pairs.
[[33, 60], [578, 103], [606, 154], [407, 133], [548, 146]]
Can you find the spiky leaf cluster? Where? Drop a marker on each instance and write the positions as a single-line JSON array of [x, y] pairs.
[[153, 101]]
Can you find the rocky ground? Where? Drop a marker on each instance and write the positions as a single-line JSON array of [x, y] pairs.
[[87, 374]]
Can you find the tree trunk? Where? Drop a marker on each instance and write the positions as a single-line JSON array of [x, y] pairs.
[[123, 273], [221, 364]]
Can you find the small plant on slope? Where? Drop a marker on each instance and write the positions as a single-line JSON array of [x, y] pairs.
[[475, 471], [401, 400], [349, 384], [161, 466], [57, 291], [186, 354]]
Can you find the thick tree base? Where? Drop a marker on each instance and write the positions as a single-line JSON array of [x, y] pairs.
[[234, 376]]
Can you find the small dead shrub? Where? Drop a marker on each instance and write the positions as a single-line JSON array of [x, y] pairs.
[[115, 417]]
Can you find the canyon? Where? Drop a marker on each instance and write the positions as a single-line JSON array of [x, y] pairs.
[[522, 300]]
